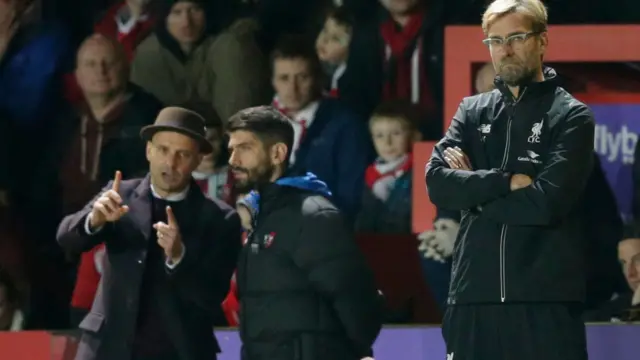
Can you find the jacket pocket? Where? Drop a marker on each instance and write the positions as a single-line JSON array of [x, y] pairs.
[[92, 322]]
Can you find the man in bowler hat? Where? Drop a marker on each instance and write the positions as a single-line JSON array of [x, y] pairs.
[[170, 252]]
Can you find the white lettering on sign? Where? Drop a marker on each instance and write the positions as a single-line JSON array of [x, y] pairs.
[[615, 146]]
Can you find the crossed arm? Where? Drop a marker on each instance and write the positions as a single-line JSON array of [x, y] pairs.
[[451, 182], [515, 199]]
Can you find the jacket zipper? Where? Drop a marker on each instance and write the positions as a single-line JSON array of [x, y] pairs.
[[503, 232]]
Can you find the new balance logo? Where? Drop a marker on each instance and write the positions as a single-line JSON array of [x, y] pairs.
[[450, 356], [485, 128]]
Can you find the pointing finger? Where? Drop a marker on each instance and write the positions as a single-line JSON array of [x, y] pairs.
[[116, 181], [171, 219]]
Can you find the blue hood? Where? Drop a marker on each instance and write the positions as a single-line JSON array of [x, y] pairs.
[[309, 182]]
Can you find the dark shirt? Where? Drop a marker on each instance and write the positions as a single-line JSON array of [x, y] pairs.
[[151, 332]]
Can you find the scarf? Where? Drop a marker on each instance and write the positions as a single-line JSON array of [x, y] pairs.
[[334, 91], [406, 76], [215, 185], [381, 176], [301, 122]]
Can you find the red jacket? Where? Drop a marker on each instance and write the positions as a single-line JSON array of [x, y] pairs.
[[88, 278], [231, 305]]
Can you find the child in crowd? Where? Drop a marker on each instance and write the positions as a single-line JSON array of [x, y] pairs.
[[213, 173], [386, 202], [332, 46]]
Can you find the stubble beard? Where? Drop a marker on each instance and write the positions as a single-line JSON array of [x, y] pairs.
[[515, 74], [255, 178]]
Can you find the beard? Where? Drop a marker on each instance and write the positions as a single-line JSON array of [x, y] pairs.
[[514, 72], [254, 177]]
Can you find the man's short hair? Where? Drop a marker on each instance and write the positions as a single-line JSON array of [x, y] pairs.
[[267, 123], [533, 10], [297, 47], [410, 114]]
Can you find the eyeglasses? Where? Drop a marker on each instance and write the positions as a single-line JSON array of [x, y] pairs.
[[512, 40]]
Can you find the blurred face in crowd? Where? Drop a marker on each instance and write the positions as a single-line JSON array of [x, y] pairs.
[[186, 22], [214, 137], [519, 58], [172, 158], [400, 7], [484, 78], [101, 67], [252, 161], [294, 82], [332, 44], [629, 257], [392, 137]]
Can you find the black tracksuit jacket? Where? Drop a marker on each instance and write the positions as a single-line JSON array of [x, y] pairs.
[[306, 291], [525, 245]]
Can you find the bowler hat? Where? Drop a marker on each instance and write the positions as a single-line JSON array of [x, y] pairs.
[[180, 120]]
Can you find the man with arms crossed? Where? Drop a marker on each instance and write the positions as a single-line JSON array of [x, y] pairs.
[[170, 253], [515, 161], [305, 289]]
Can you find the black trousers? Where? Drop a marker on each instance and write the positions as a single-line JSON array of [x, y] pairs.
[[525, 331]]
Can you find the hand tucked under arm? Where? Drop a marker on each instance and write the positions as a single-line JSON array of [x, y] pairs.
[[451, 183], [556, 190]]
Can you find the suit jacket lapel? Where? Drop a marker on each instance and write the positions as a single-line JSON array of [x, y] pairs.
[[140, 207], [191, 226]]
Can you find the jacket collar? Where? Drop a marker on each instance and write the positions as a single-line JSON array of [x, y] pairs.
[[529, 87], [273, 196], [140, 204]]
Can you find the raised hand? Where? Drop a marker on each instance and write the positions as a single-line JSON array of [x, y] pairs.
[[169, 236], [108, 207]]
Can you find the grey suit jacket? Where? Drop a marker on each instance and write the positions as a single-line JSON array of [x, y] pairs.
[[197, 286]]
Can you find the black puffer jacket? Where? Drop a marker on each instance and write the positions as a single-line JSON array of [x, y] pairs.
[[305, 289]]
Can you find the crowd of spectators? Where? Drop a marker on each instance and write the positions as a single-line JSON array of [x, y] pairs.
[[361, 80]]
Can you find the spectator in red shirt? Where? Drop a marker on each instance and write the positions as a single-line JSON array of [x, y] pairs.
[[129, 22], [89, 273]]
